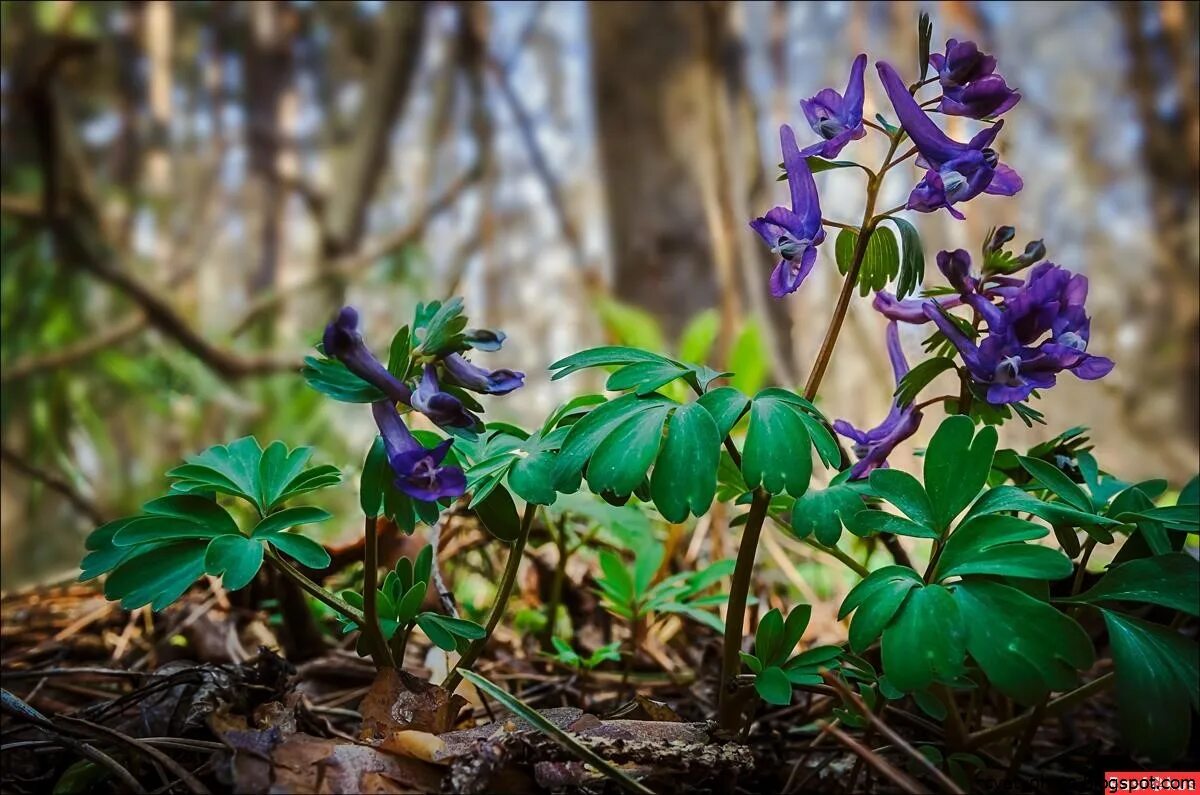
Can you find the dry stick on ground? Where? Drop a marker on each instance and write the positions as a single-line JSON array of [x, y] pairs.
[[887, 731], [897, 777], [88, 727]]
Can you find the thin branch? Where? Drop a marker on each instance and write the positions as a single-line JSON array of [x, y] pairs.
[[54, 482], [887, 731], [348, 266], [84, 349], [893, 774]]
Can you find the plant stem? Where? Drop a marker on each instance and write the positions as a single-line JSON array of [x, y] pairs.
[[314, 590], [729, 710], [838, 224], [560, 577], [507, 580], [380, 652], [1060, 704]]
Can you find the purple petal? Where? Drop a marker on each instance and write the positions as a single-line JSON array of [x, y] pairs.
[[805, 202], [933, 144], [896, 352], [855, 91], [1005, 182], [1093, 367]]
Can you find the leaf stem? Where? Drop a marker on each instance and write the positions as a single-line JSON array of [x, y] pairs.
[[507, 580], [729, 709], [839, 225], [312, 589], [380, 652]]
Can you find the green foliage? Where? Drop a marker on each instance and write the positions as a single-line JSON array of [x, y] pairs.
[[774, 666], [920, 377], [783, 428], [631, 593], [1157, 670], [881, 261], [331, 378], [153, 557], [398, 605], [567, 656], [823, 513]]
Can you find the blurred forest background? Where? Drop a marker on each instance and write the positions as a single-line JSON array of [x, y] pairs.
[[190, 190]]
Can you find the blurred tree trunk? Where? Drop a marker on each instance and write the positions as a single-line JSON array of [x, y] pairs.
[[1162, 79], [653, 101]]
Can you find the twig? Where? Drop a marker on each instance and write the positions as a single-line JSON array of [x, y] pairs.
[[192, 783], [896, 776], [1060, 704], [887, 731], [54, 482], [435, 540]]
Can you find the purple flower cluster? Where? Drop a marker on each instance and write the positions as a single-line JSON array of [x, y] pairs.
[[1036, 331], [419, 471], [970, 85], [955, 172]]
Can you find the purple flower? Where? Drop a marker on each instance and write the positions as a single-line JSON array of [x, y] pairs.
[[910, 310], [837, 119], [482, 339], [874, 446], [970, 86], [419, 471], [793, 234], [344, 342], [1036, 331], [955, 172], [469, 376], [441, 407], [956, 267]]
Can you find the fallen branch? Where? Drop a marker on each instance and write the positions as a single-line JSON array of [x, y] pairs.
[[54, 482]]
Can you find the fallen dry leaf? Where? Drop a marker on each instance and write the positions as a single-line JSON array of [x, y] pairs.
[[398, 701]]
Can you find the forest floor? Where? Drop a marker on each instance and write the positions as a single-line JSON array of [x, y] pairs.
[[197, 699]]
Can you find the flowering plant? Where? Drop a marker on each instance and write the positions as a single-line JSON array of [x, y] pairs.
[[988, 611]]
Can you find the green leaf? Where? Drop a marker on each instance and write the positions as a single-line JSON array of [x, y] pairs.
[[777, 453], [774, 686], [920, 377], [864, 523], [289, 517], [905, 492], [318, 477], [793, 628], [818, 164], [459, 627], [400, 353], [235, 557], [193, 508], [603, 357], [410, 603], [566, 741], [159, 576], [621, 460], [881, 261], [645, 377], [726, 405], [995, 545], [822, 512], [925, 642], [589, 433], [375, 469], [1155, 668], [498, 513], [161, 528], [769, 638], [573, 408], [617, 578], [1052, 478], [439, 635], [423, 565], [306, 551], [277, 468], [685, 474], [1011, 498], [442, 334], [912, 263], [1171, 580], [956, 467], [697, 339], [877, 599], [1024, 646], [331, 378]]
